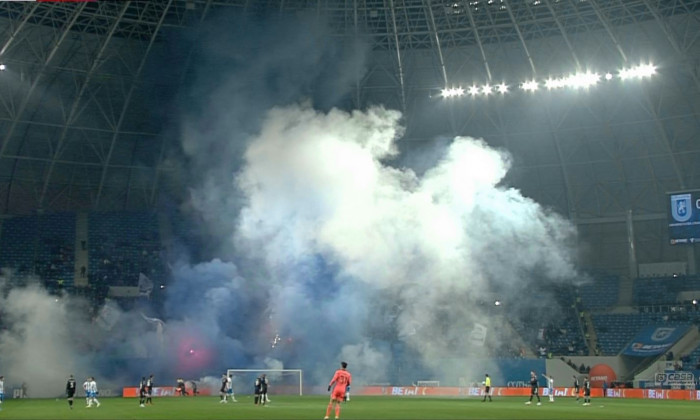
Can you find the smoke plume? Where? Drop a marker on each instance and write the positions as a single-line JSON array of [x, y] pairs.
[[315, 245]]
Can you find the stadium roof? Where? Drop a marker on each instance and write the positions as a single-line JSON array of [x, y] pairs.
[[79, 127], [413, 23]]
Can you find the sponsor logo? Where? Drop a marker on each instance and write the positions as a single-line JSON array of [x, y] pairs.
[[614, 393], [674, 378], [397, 390], [657, 394], [163, 392], [680, 207], [407, 391], [641, 347], [662, 333]]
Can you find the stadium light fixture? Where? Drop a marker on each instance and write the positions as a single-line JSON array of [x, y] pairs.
[[530, 86], [452, 92], [3, 67], [638, 72], [552, 83], [625, 74], [646, 70], [582, 80]]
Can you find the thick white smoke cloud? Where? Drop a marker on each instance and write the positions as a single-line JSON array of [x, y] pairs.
[[46, 337], [34, 345], [318, 186]]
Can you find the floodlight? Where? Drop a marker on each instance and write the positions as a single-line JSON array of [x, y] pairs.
[[582, 80], [608, 76], [625, 74], [645, 70], [450, 92], [502, 88], [486, 89], [552, 83], [529, 86], [2, 67], [473, 90]]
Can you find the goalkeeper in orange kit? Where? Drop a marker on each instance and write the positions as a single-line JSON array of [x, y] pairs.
[[339, 385]]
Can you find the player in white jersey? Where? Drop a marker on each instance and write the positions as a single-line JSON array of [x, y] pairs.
[[550, 387], [229, 389], [92, 387], [2, 390], [86, 388]]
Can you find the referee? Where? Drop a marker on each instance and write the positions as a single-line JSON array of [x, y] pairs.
[[487, 388]]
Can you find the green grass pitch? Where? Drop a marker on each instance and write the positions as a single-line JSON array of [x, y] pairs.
[[313, 407]]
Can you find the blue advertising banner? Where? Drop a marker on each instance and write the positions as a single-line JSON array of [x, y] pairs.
[[684, 217], [654, 340]]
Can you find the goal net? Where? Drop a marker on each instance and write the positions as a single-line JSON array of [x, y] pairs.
[[280, 381]]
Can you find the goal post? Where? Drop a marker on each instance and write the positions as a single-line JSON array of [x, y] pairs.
[[281, 381]]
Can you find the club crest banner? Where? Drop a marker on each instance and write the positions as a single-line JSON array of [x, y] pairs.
[[654, 340]]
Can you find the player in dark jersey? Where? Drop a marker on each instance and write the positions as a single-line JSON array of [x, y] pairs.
[[222, 391], [256, 390], [587, 391], [577, 388], [149, 390], [263, 389], [180, 388], [534, 389], [70, 390], [143, 391]]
